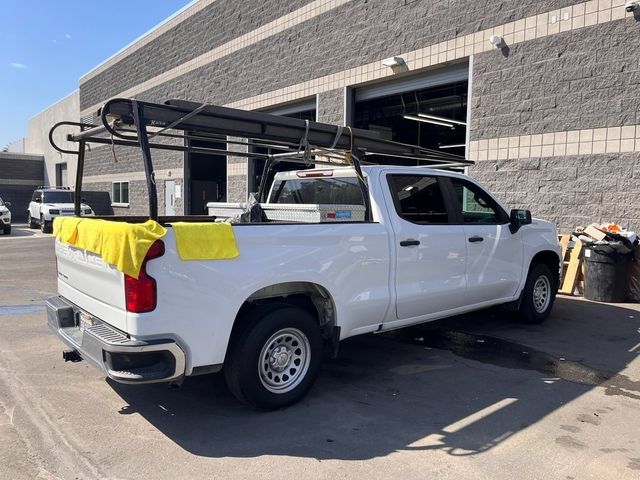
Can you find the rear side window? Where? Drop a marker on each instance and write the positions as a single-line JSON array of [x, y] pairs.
[[418, 199], [324, 191], [476, 206]]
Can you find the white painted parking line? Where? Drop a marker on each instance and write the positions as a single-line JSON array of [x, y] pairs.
[[22, 233]]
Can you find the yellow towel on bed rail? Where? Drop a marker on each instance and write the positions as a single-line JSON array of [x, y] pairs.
[[205, 241], [119, 243]]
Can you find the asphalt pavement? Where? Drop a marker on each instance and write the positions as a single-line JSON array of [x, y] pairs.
[[474, 397]]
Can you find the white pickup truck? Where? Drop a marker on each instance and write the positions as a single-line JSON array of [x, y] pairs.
[[437, 245]]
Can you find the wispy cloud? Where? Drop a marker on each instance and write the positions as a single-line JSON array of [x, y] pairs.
[[21, 66], [67, 36]]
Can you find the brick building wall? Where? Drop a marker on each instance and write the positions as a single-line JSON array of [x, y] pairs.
[[552, 118]]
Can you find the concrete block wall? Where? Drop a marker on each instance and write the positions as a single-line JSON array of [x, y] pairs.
[[569, 69], [574, 81], [104, 165], [331, 107]]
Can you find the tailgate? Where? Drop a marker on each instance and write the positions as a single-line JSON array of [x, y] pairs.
[[93, 285]]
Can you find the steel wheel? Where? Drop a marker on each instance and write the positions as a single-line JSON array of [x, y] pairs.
[[284, 360], [541, 294], [274, 356]]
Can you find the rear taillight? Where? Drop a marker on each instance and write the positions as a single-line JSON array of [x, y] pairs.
[[141, 293]]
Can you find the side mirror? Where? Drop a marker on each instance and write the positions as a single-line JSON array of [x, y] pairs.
[[38, 200], [7, 204], [518, 218]]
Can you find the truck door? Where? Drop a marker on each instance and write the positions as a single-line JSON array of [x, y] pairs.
[[431, 250], [494, 254]]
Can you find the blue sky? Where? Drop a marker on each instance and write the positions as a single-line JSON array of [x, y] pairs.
[[47, 45]]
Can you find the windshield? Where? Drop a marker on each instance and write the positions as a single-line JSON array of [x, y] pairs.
[[57, 197], [322, 191]]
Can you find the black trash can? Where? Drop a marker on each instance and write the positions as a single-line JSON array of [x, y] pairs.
[[606, 274]]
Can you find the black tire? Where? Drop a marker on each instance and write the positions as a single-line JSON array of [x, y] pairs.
[[266, 329], [32, 223], [538, 295], [7, 230], [44, 225]]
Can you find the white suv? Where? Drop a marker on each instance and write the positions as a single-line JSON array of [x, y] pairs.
[[50, 202], [5, 217]]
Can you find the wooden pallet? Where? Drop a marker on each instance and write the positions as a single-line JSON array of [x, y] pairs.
[[571, 265]]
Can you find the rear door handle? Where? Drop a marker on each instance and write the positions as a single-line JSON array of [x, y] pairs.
[[409, 243], [476, 238]]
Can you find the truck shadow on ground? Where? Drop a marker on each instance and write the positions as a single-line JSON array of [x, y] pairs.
[[462, 386]]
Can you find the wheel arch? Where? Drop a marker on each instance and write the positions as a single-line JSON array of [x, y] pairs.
[[309, 296], [549, 258]]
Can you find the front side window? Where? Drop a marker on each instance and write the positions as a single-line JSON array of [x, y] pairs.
[[475, 205], [120, 193], [418, 199]]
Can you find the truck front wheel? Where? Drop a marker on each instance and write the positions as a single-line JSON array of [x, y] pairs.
[[274, 359], [538, 295], [45, 226]]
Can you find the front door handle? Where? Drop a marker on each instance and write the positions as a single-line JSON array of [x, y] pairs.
[[476, 238], [409, 243]]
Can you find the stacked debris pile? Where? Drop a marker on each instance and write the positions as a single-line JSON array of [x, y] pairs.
[[611, 272]]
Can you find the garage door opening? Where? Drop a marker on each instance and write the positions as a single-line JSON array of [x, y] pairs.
[[302, 111], [207, 177], [429, 111]]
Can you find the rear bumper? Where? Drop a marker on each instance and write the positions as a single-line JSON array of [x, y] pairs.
[[121, 358]]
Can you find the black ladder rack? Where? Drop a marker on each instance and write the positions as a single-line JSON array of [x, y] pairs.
[[130, 122]]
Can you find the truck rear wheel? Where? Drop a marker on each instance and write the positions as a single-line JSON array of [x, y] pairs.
[[538, 295], [274, 359], [32, 223]]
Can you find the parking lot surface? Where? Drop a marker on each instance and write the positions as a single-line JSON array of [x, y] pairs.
[[474, 397]]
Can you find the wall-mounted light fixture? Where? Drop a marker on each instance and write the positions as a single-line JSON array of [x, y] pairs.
[[428, 120], [459, 145], [632, 7], [497, 41], [393, 62]]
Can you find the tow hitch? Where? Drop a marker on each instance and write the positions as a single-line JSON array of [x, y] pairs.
[[71, 356]]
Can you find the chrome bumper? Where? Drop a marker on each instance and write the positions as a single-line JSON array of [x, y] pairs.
[[112, 351]]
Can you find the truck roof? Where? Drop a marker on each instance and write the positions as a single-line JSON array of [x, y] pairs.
[[341, 172]]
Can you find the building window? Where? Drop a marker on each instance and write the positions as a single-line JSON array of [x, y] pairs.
[[120, 194]]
